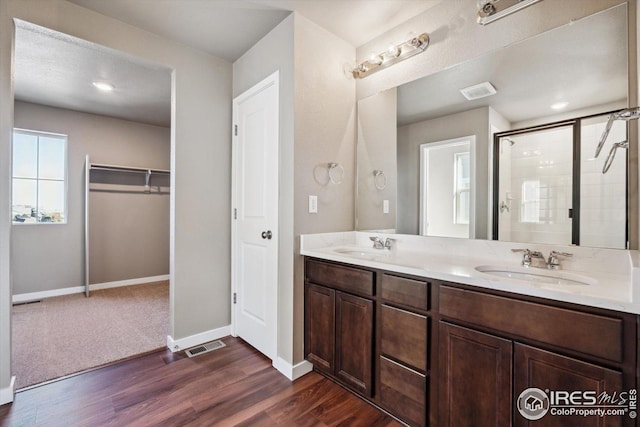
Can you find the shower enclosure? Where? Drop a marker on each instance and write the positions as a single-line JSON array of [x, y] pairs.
[[549, 187]]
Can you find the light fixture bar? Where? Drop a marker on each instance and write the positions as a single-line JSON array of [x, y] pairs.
[[396, 53], [492, 10]]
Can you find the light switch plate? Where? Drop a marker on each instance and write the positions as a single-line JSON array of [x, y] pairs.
[[313, 204], [385, 206]]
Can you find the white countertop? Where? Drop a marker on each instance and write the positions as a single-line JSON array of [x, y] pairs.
[[615, 273]]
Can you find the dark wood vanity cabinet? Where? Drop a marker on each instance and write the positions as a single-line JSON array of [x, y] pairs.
[[444, 354], [475, 378], [493, 347], [339, 325]]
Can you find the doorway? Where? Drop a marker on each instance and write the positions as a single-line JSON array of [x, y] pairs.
[[447, 189], [90, 107]]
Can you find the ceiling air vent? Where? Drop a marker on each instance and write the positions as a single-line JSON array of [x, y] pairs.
[[478, 91], [204, 348]]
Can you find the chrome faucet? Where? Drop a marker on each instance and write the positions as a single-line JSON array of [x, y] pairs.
[[553, 263], [379, 244], [536, 259], [529, 257]]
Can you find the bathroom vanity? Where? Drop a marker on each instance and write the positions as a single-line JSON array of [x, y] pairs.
[[454, 353]]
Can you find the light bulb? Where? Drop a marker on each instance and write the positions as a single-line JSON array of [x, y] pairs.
[[103, 86], [393, 50], [375, 59]]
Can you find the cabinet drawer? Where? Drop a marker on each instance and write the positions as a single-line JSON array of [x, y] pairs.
[[412, 293], [592, 334], [403, 392], [403, 336], [340, 277]]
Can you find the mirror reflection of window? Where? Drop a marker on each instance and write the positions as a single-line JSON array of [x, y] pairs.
[[462, 188], [530, 202]]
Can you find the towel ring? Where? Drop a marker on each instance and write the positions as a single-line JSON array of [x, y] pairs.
[[379, 179], [331, 166]]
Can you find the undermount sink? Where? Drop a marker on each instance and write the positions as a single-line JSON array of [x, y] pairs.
[[548, 277], [362, 252]]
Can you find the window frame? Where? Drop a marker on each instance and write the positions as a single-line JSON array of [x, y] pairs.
[[65, 180]]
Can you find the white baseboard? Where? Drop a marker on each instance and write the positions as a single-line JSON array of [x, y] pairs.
[[6, 394], [197, 339], [290, 371], [128, 282], [34, 296]]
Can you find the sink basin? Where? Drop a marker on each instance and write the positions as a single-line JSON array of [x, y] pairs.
[[362, 252], [537, 275]]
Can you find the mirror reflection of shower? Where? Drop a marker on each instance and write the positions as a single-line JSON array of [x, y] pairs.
[[626, 115], [544, 195]]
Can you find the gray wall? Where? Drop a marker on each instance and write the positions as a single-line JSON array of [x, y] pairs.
[[473, 122], [129, 233], [322, 130], [325, 117], [201, 162], [275, 52], [376, 150]]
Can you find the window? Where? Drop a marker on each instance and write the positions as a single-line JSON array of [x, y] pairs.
[[462, 187], [530, 205], [38, 177]]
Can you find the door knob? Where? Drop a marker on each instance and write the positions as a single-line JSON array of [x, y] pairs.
[[267, 234]]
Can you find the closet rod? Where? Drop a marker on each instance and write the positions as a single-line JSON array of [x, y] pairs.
[[127, 169]]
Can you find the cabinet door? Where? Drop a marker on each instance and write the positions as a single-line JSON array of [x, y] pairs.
[[320, 327], [475, 378], [545, 370], [354, 341]]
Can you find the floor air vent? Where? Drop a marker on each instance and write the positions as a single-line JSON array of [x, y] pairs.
[[205, 348]]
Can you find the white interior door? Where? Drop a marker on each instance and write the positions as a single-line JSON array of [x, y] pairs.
[[255, 216]]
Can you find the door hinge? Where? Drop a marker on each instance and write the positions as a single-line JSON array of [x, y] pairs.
[[235, 130], [235, 213], [235, 298]]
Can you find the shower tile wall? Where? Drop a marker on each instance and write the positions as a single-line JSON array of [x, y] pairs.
[[603, 196], [541, 180]]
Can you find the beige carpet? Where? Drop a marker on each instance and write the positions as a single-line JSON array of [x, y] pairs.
[[63, 335]]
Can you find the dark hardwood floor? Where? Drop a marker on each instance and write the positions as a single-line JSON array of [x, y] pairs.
[[235, 385]]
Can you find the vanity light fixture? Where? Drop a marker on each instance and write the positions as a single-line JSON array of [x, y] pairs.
[[491, 10], [395, 53], [104, 86]]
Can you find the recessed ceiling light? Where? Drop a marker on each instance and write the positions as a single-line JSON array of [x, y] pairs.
[[103, 86], [559, 105]]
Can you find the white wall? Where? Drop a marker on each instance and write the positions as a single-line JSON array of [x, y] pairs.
[[201, 158], [46, 256]]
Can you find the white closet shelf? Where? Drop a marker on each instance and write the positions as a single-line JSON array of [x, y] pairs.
[[126, 169]]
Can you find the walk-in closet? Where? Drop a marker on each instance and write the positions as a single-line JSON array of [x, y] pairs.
[[91, 206]]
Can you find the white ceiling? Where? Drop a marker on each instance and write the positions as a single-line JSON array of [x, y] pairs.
[[56, 69], [228, 28], [583, 63]]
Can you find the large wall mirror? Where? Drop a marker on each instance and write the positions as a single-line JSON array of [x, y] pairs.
[[502, 146]]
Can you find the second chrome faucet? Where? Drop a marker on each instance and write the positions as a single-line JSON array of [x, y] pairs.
[[536, 259], [379, 244]]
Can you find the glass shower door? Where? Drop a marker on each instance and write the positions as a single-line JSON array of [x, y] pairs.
[[535, 192]]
